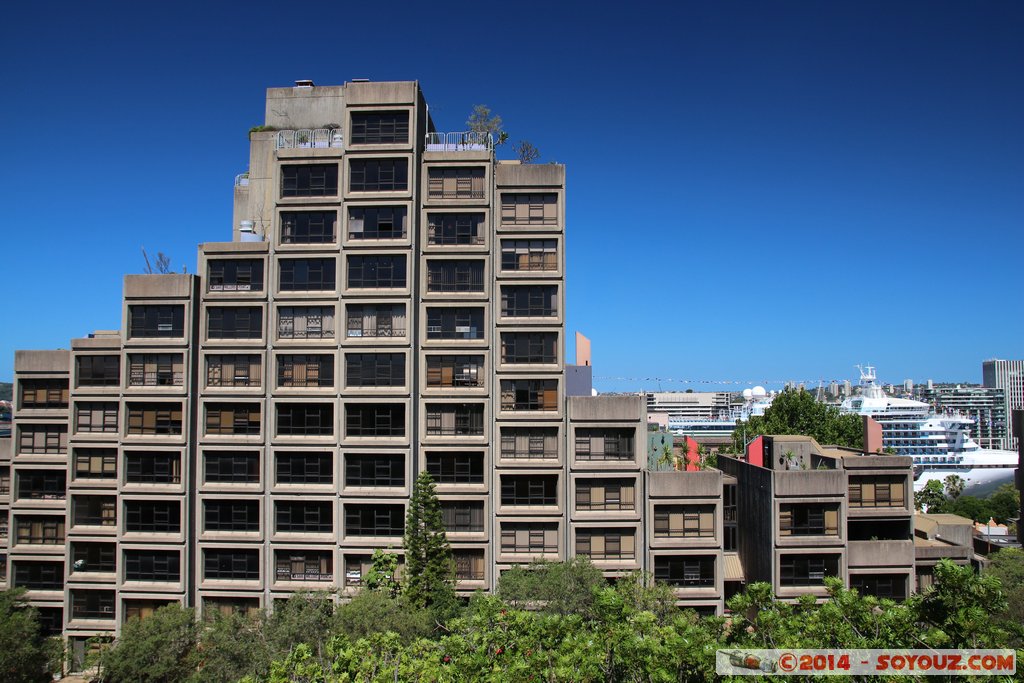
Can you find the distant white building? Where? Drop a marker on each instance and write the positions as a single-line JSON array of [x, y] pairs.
[[688, 405], [1007, 375]]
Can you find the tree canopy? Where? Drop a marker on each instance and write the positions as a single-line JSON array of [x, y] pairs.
[[26, 655], [795, 411]]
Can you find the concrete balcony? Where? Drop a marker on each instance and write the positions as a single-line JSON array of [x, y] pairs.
[[880, 554], [309, 138]]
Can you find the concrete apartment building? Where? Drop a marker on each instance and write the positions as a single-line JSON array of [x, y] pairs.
[[392, 301], [1007, 375]]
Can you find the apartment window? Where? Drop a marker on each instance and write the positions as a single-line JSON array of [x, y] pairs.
[[377, 222], [305, 322], [374, 369], [40, 576], [469, 565], [308, 274], [685, 570], [455, 276], [152, 468], [529, 347], [143, 609], [374, 419], [376, 320], [374, 470], [308, 227], [231, 563], [607, 444], [463, 516], [152, 565], [455, 419], [305, 419], [606, 545], [156, 321], [456, 183], [44, 393], [447, 229], [529, 209], [374, 520], [41, 484], [231, 467], [43, 439], [529, 255], [93, 511], [529, 301], [455, 371], [529, 394], [356, 567], [529, 489], [807, 570], [891, 586], [299, 565], [458, 467], [529, 443], [378, 271], [311, 180], [235, 275], [231, 515], [798, 519], [877, 492], [606, 494], [92, 604], [529, 537], [93, 557], [233, 418], [98, 371], [378, 175], [304, 516], [95, 417], [684, 521], [39, 530], [380, 128], [5, 483], [155, 370], [305, 371], [302, 467], [235, 322], [149, 516], [154, 418], [455, 323], [234, 370], [248, 607]]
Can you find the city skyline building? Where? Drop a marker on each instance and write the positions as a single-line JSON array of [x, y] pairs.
[[1007, 375]]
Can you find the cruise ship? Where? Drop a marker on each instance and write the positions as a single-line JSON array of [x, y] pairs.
[[941, 445]]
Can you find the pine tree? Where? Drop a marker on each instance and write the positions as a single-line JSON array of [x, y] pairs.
[[429, 579]]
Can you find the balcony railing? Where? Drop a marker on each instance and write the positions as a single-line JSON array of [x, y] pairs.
[[465, 141], [320, 138]]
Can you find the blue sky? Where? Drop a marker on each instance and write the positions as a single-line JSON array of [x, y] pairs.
[[758, 191]]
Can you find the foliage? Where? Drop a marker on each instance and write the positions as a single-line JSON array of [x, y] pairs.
[[25, 654], [553, 587], [796, 412], [262, 128], [960, 606], [954, 485], [158, 649], [931, 498], [483, 121], [372, 612], [302, 618], [383, 573], [429, 580], [1007, 566], [232, 647], [526, 152]]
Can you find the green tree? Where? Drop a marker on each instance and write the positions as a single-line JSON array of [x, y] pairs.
[[931, 498], [302, 618], [232, 647], [158, 649], [26, 656], [554, 587], [383, 573], [429, 580], [1007, 565], [954, 486], [796, 412], [960, 606], [372, 612], [482, 120]]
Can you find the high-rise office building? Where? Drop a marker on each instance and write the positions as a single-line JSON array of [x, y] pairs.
[[1007, 375]]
